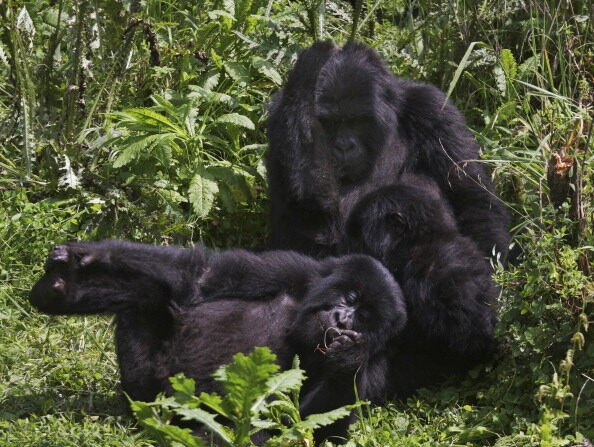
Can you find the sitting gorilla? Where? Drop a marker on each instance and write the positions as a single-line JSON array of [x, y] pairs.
[[189, 310], [449, 293], [343, 126]]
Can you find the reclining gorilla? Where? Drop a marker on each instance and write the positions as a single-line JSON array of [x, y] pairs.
[[343, 126], [446, 281], [190, 310]]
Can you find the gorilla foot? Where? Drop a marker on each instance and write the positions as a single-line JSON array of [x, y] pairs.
[[71, 256]]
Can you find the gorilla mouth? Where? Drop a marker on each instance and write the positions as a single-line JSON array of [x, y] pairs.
[[330, 334]]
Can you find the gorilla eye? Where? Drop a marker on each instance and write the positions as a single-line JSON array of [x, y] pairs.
[[352, 297], [395, 219]]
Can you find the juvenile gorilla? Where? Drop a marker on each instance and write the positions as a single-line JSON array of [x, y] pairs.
[[190, 310], [449, 293], [343, 126]]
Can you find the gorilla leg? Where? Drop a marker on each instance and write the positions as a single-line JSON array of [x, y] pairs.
[[113, 275]]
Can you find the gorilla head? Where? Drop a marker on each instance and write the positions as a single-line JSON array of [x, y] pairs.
[[352, 294], [404, 215], [354, 103]]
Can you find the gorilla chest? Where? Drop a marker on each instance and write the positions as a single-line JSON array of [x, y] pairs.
[[202, 339]]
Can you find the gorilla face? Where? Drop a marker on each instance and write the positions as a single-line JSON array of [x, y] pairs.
[[347, 105], [357, 295]]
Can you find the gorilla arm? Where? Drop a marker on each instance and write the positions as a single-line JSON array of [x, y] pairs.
[[449, 154]]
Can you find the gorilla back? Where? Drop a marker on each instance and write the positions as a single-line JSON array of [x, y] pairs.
[[190, 310]]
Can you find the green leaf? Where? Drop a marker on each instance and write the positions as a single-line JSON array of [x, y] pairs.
[[500, 79], [321, 419], [208, 420], [459, 70], [226, 197], [132, 147], [508, 63], [245, 379], [182, 435], [505, 111], [238, 72], [214, 402], [211, 80], [233, 178], [202, 192], [279, 383], [267, 69], [236, 119], [183, 385]]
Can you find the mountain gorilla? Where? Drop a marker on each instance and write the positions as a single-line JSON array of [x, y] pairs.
[[346, 136], [445, 279], [344, 126], [190, 310]]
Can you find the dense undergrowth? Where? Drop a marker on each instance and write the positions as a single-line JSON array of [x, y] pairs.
[[145, 120]]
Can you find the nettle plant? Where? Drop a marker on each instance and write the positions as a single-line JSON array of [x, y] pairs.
[[198, 140], [255, 397]]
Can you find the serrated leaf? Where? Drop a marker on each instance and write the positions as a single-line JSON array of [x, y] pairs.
[[181, 435], [131, 147], [508, 63], [279, 383], [214, 402], [236, 119], [24, 23], [314, 421], [226, 197], [183, 385], [216, 59], [202, 192], [264, 425], [233, 179], [211, 80], [216, 13], [267, 69], [238, 72], [246, 378], [152, 118], [3, 56], [208, 420], [69, 179], [505, 111], [500, 79]]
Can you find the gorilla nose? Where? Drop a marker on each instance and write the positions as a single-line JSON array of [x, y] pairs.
[[343, 319]]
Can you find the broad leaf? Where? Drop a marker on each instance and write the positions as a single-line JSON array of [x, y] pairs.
[[236, 119], [202, 192]]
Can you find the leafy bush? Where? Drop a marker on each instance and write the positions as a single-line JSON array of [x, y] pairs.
[[256, 397]]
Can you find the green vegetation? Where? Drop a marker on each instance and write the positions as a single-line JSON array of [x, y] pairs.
[[144, 120], [255, 397]]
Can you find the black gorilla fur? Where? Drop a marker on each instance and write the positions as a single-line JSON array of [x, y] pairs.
[[344, 126], [190, 310], [446, 281]]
